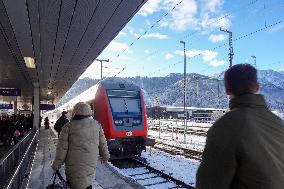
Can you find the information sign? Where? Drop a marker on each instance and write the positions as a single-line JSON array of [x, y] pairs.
[[46, 106], [6, 106], [10, 92]]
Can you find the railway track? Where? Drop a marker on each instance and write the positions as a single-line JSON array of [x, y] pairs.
[[147, 176], [176, 150], [189, 131]]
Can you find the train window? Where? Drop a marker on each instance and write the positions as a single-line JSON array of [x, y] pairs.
[[133, 105], [122, 93], [126, 105]]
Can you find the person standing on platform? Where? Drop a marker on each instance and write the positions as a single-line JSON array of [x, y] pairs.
[[245, 147], [46, 123], [5, 122], [61, 122], [81, 142]]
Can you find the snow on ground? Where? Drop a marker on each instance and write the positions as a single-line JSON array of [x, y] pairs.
[[177, 123], [177, 166], [143, 177], [177, 139]]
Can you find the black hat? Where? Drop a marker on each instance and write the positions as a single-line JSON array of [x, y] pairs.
[[64, 112]]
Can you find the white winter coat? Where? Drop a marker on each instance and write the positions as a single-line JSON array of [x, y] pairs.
[[79, 145]]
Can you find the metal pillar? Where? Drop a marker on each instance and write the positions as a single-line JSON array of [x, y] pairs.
[[15, 106], [218, 87], [101, 70], [36, 106], [101, 61], [184, 93], [254, 60], [231, 53], [197, 87]]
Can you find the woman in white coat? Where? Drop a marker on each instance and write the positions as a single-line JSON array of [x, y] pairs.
[[81, 142]]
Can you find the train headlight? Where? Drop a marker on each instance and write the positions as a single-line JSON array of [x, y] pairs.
[[116, 122], [136, 121], [120, 121]]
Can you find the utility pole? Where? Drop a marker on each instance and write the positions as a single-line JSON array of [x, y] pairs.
[[101, 60], [231, 53], [218, 87], [254, 60], [184, 93], [159, 114], [197, 87]]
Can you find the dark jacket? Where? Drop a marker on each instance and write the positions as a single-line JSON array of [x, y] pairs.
[[244, 148], [60, 123]]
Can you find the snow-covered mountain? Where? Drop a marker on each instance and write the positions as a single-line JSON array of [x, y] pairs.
[[78, 87], [201, 91]]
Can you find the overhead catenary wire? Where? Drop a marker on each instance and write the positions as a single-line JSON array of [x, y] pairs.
[[197, 31], [219, 46], [223, 17], [252, 2], [147, 30], [166, 14], [236, 39], [273, 5]]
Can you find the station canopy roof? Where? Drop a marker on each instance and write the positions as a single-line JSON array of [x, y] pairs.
[[59, 38]]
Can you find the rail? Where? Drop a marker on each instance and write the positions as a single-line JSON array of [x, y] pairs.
[[177, 150], [150, 173], [176, 126], [14, 164]]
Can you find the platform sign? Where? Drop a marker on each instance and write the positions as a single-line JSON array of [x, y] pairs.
[[6, 106], [46, 106], [10, 92]]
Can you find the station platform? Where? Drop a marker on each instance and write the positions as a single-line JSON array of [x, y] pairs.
[[106, 176]]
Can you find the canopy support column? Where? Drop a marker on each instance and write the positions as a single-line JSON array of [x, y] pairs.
[[36, 106], [15, 106]]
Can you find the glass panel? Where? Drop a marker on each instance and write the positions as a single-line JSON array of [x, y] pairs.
[[122, 93], [133, 105], [117, 105], [125, 105]]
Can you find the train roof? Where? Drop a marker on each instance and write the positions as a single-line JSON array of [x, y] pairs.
[[118, 83]]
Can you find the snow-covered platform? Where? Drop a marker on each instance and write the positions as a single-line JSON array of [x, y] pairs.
[[106, 178]]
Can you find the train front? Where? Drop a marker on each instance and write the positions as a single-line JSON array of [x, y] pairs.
[[126, 132]]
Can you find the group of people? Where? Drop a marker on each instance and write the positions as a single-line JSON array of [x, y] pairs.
[[244, 148], [14, 127]]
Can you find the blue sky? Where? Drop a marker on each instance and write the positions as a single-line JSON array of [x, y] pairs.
[[159, 52]]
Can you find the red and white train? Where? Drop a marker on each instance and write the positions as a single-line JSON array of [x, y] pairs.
[[120, 108]]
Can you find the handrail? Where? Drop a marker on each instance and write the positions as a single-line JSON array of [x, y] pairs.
[[13, 160], [11, 182], [2, 159]]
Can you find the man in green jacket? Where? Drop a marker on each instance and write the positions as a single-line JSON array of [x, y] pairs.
[[245, 147]]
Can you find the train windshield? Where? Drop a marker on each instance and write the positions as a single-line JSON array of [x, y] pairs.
[[124, 101], [125, 105]]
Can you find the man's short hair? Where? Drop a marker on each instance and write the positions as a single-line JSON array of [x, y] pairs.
[[64, 113], [241, 79]]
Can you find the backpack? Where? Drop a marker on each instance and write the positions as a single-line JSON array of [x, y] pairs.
[[57, 127]]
